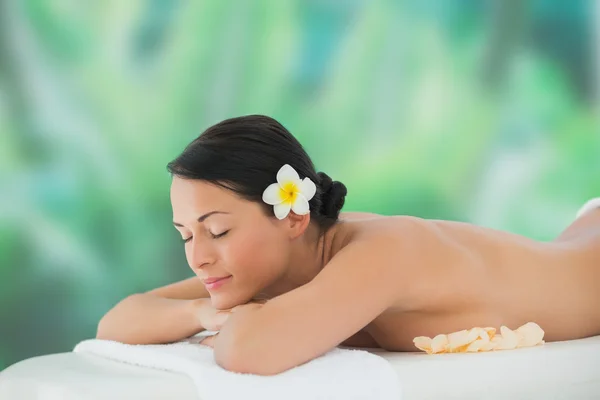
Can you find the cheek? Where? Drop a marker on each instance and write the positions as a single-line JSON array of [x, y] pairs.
[[255, 255]]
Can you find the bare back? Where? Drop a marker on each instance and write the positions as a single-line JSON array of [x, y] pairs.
[[467, 276]]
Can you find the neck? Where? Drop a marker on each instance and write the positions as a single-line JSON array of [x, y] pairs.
[[310, 253]]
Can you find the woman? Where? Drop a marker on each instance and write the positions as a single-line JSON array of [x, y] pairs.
[[260, 224]]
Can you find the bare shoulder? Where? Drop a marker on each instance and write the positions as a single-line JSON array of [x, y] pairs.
[[389, 229], [353, 215], [396, 247], [414, 250]]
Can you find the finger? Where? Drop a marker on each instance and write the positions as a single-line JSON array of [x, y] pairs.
[[208, 341], [220, 319]]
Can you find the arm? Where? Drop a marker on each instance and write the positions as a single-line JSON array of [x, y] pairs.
[[162, 315], [145, 318], [357, 285], [360, 339]]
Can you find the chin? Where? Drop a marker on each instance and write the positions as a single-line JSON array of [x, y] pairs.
[[222, 301]]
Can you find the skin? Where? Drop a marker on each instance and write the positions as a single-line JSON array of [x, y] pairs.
[[266, 257], [400, 276]]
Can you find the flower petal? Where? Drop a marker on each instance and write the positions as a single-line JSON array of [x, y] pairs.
[[300, 206], [474, 334], [286, 174], [289, 189], [532, 334], [510, 339], [487, 346], [282, 209], [272, 194], [477, 345], [423, 343], [496, 342], [458, 339], [490, 331], [439, 344], [308, 188]]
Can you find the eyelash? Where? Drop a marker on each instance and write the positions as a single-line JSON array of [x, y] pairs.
[[213, 236]]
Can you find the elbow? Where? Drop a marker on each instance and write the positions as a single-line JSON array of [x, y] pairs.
[[107, 330], [100, 333], [246, 366], [103, 331], [245, 346], [229, 355], [111, 326], [240, 357]]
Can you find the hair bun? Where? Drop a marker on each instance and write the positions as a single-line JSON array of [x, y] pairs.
[[333, 194]]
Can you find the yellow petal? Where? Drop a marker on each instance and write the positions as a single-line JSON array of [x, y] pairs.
[[475, 333], [490, 331], [510, 339], [483, 335], [461, 349], [439, 343], [496, 342], [487, 346], [458, 339], [532, 334], [423, 343], [477, 345]]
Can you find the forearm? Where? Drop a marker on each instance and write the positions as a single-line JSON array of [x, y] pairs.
[[149, 319], [236, 337]]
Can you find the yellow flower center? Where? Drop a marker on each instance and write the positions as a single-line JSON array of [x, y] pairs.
[[288, 192]]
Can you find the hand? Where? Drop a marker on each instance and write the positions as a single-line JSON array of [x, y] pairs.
[[251, 305], [213, 319], [254, 304], [209, 317], [209, 341]]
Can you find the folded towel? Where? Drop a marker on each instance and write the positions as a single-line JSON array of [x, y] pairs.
[[337, 374], [590, 204]]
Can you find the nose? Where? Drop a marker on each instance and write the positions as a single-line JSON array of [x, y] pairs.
[[200, 254]]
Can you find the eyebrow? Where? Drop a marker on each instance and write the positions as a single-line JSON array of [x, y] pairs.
[[203, 217]]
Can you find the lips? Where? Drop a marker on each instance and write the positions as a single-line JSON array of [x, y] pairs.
[[213, 280]]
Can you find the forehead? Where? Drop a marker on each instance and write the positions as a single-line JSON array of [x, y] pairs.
[[199, 193], [191, 198]]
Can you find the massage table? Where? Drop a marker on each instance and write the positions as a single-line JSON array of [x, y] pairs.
[[558, 370]]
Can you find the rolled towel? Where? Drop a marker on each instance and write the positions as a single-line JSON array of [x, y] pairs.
[[590, 204], [337, 374]]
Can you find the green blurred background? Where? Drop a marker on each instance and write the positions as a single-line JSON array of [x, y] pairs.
[[477, 111]]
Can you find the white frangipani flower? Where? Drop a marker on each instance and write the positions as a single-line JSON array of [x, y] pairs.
[[289, 193]]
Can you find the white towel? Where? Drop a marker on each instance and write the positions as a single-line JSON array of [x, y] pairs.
[[590, 204], [338, 374]]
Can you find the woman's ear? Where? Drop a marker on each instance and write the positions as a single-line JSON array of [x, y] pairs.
[[297, 224]]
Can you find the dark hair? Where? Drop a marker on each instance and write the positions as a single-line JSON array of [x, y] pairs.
[[243, 155]]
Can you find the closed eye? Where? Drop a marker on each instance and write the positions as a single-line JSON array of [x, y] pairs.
[[219, 235], [211, 235]]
